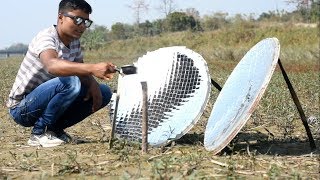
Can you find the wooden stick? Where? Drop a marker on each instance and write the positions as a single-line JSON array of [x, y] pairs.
[[298, 105], [114, 122], [144, 128]]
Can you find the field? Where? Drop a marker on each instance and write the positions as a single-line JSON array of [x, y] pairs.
[[272, 145]]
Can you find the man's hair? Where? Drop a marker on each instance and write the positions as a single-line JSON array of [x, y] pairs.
[[70, 5]]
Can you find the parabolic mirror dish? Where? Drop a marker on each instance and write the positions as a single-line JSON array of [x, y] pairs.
[[178, 91], [241, 94]]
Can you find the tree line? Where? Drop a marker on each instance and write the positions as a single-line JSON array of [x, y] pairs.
[[188, 20]]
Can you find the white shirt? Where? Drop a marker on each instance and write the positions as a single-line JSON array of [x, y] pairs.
[[32, 72]]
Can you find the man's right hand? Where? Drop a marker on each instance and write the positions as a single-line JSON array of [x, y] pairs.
[[103, 70]]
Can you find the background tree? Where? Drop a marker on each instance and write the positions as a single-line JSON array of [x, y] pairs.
[[139, 7], [118, 31], [180, 21], [166, 7], [19, 47], [309, 10], [94, 38], [158, 26], [215, 21], [146, 28], [193, 12]]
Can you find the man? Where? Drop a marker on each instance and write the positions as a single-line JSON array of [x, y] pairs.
[[54, 89]]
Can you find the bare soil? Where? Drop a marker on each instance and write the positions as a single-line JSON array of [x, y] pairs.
[[254, 153]]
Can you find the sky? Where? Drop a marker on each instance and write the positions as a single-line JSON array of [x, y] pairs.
[[22, 20]]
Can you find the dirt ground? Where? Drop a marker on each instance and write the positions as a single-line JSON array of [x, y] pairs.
[[272, 145], [254, 154]]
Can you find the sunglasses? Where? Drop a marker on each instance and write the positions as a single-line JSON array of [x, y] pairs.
[[78, 20]]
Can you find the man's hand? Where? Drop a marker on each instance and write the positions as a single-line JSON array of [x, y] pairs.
[[103, 70], [94, 93]]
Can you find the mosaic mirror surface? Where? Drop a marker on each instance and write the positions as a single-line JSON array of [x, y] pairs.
[[241, 94], [178, 91]]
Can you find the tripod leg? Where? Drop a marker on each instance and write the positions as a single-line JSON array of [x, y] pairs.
[[298, 105], [216, 85]]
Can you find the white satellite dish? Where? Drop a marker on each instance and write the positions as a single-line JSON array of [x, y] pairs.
[[178, 91], [241, 94]]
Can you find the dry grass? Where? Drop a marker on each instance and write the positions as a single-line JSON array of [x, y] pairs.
[[272, 145]]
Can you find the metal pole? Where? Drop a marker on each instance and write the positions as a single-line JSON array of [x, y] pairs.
[[298, 105], [216, 85]]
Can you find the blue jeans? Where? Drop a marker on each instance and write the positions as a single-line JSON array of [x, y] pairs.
[[56, 105]]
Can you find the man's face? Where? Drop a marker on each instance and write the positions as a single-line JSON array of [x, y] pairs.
[[74, 23]]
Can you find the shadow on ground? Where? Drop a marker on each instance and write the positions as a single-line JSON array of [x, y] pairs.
[[258, 143]]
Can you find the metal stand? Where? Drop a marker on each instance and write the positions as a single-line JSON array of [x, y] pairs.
[[298, 105], [216, 85]]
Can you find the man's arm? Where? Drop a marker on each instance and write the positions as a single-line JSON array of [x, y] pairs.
[[85, 72], [60, 67]]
